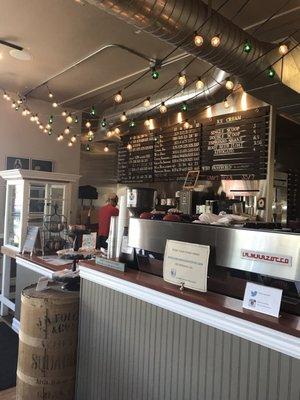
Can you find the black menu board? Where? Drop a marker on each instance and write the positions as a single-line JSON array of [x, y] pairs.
[[235, 146], [176, 153], [135, 164]]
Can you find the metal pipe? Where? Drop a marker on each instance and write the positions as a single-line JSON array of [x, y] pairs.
[[12, 45], [87, 57]]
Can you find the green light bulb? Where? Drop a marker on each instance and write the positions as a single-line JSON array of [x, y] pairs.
[[76, 120], [103, 123], [155, 74], [271, 72], [51, 119], [132, 124], [88, 147], [50, 132], [93, 111], [184, 106], [247, 47]]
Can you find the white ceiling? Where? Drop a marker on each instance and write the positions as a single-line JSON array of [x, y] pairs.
[[57, 33]]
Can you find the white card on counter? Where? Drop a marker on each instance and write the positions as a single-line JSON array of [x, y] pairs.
[[186, 264], [262, 299]]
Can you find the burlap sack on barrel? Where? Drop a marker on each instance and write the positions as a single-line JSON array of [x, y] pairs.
[[47, 345]]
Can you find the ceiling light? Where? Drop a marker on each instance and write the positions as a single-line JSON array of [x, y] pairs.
[[13, 104], [41, 127], [88, 124], [186, 124], [199, 84], [21, 55], [118, 97], [182, 80], [247, 47], [229, 84], [184, 106], [283, 49], [73, 139], [198, 39], [50, 95], [154, 74], [70, 144], [48, 126], [163, 108], [60, 137], [271, 72], [106, 149], [24, 113], [225, 103], [69, 119], [54, 104], [67, 130], [64, 113], [123, 117], [32, 119], [146, 102], [215, 41]]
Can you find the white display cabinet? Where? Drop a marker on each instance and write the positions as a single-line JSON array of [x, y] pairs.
[[30, 196]]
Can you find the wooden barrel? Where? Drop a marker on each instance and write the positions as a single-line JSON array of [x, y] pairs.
[[47, 344]]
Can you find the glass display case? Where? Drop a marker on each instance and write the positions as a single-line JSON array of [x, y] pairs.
[[30, 197]]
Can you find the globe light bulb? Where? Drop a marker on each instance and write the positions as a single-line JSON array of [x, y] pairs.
[[60, 137], [186, 124], [225, 103], [74, 139], [24, 113], [69, 119], [117, 131], [182, 80], [64, 113], [76, 120], [199, 84], [198, 40], [13, 104], [19, 101], [109, 133], [103, 123], [106, 149], [283, 49], [45, 130], [41, 127], [48, 126], [215, 41], [5, 96], [54, 105], [88, 124], [88, 147], [155, 74], [123, 117], [50, 132], [50, 95], [229, 84], [118, 97], [129, 146], [163, 108], [67, 130], [147, 122], [146, 102], [70, 144], [90, 133], [32, 119]]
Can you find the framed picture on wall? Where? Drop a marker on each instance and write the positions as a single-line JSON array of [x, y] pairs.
[[42, 165], [17, 163]]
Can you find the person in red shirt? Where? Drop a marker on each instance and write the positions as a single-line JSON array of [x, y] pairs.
[[104, 216]]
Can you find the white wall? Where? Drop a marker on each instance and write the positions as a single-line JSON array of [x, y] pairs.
[[22, 138]]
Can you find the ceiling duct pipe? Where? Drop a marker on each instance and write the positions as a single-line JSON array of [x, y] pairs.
[[175, 21]]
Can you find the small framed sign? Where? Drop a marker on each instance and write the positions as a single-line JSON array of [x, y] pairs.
[[41, 165], [262, 299], [33, 241], [17, 163], [186, 264], [191, 180]]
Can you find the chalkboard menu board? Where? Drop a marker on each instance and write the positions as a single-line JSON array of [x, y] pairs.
[[235, 146], [136, 164], [176, 153], [232, 146]]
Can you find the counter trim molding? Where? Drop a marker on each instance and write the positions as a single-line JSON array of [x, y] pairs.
[[35, 267], [275, 340]]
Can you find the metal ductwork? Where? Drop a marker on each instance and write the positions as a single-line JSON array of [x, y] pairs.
[[175, 21]]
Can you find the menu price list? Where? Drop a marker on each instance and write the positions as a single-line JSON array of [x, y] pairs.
[[136, 164], [235, 146], [176, 153]]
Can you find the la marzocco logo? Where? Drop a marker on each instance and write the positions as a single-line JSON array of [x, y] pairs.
[[266, 257]]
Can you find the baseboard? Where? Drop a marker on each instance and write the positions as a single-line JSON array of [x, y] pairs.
[[16, 325]]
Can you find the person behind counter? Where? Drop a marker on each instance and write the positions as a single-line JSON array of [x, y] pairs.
[[104, 216]]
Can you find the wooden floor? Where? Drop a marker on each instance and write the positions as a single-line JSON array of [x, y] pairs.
[[9, 394]]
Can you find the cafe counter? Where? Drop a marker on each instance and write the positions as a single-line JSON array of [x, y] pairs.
[[141, 337]]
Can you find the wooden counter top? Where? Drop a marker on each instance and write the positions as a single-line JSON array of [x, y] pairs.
[[286, 323], [42, 263]]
